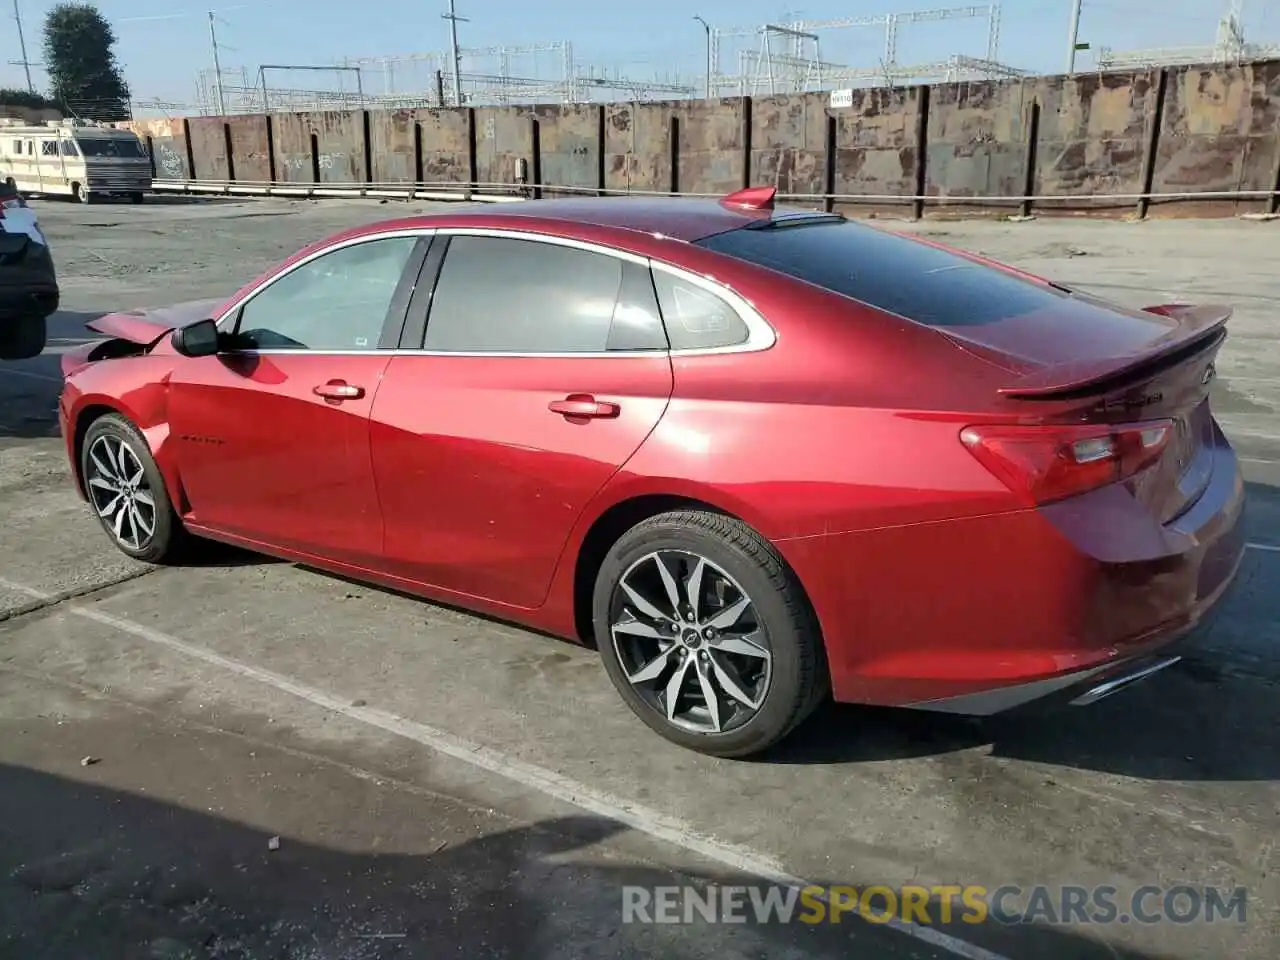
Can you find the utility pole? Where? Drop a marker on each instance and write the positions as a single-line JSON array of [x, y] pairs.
[[217, 67], [453, 18], [22, 44], [1074, 39], [707, 27]]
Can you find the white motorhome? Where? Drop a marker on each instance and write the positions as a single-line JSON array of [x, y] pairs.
[[75, 158]]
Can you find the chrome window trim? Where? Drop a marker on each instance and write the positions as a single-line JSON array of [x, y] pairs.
[[760, 335]]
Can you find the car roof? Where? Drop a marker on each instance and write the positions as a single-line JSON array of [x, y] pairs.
[[676, 218], [680, 218]]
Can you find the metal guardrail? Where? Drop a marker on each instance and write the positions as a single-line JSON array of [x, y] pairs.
[[393, 191], [511, 193]]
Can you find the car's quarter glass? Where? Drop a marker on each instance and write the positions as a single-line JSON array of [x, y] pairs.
[[273, 432], [544, 367]]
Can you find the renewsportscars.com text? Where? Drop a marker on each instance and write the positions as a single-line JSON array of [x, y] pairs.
[[972, 904]]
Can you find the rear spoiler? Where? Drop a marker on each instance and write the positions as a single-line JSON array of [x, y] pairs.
[[1198, 328]]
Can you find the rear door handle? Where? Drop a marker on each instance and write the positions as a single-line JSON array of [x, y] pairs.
[[338, 390], [585, 406]]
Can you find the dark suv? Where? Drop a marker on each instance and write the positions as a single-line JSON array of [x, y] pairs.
[[28, 282]]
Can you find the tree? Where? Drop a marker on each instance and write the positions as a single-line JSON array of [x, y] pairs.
[[80, 58]]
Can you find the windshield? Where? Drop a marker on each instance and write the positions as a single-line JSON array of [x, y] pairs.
[[891, 272], [110, 147]]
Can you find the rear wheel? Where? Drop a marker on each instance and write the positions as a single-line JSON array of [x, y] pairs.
[[127, 492], [706, 634], [137, 197], [80, 194], [23, 338]]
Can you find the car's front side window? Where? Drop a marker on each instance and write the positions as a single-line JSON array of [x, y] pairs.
[[337, 301], [505, 295]]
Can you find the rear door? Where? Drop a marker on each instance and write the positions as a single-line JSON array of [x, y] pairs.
[[542, 367], [273, 433]]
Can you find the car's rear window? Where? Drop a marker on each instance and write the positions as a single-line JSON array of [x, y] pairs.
[[887, 271]]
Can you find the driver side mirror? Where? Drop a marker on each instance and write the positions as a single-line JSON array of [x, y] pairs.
[[200, 339]]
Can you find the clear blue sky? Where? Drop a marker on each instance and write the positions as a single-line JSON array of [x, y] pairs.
[[163, 43]]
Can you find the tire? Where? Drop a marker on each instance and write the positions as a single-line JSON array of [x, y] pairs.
[[79, 194], [774, 694], [168, 539], [137, 197], [24, 338]]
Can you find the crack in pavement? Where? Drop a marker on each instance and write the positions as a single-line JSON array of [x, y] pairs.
[[42, 601]]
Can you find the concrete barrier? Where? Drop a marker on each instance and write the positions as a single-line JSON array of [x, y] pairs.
[[1179, 141]]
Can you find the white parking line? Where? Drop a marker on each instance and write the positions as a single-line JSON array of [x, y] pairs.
[[639, 818], [1268, 547], [29, 374]]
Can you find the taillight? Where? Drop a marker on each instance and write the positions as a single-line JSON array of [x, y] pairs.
[[1042, 464]]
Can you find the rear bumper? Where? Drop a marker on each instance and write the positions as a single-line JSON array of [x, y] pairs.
[[986, 614]]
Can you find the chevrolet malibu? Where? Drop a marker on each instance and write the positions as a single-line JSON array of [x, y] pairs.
[[756, 457]]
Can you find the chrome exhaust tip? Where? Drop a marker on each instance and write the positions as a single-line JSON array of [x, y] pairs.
[[1116, 684]]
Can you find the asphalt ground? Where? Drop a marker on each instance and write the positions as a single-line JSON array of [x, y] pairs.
[[249, 759]]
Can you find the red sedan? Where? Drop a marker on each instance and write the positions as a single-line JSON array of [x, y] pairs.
[[757, 457]]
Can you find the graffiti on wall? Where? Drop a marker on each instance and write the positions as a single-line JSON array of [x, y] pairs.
[[169, 162]]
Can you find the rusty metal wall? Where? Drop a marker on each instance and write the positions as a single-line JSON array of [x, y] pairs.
[[637, 146], [339, 144], [391, 137], [250, 155], [976, 140], [1093, 134], [504, 135], [445, 138], [1087, 139], [788, 145], [209, 147], [877, 144], [1220, 131], [710, 145], [291, 134], [569, 145], [168, 146]]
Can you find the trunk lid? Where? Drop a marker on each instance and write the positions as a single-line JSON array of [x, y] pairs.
[[1087, 361]]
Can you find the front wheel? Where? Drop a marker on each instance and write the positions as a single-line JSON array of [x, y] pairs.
[[24, 338], [127, 491], [706, 634]]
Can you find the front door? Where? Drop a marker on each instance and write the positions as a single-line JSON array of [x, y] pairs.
[[545, 367], [273, 434]]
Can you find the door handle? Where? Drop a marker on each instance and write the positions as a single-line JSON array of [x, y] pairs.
[[338, 390], [585, 406]]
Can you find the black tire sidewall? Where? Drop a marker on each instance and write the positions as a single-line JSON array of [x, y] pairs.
[[117, 426], [23, 338], [787, 691]]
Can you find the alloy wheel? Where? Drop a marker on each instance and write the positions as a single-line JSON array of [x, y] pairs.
[[121, 495], [688, 639]]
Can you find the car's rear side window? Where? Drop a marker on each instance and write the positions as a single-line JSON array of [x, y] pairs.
[[922, 283], [503, 295]]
